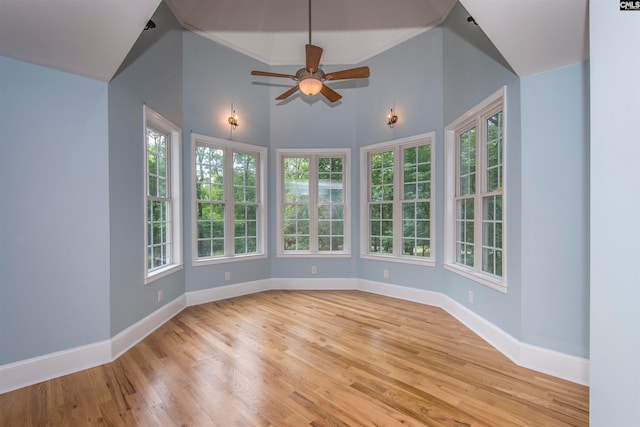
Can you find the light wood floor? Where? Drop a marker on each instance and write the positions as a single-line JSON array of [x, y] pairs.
[[300, 358]]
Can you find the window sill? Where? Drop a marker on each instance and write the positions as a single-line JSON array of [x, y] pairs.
[[429, 262], [484, 279], [225, 259], [163, 272]]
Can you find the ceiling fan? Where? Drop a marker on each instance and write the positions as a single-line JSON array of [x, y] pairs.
[[311, 78]]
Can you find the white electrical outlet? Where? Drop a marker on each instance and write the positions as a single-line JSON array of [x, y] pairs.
[[470, 297], [227, 275], [160, 295], [314, 270], [385, 273]]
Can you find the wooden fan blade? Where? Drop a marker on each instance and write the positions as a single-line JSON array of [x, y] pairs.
[[330, 94], [314, 53], [268, 74], [352, 73], [288, 93]]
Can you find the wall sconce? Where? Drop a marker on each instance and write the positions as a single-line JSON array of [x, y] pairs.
[[393, 119], [233, 120]]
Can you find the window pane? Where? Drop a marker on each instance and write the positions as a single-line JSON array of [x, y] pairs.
[[324, 228], [324, 212], [157, 161], [209, 170], [381, 174], [464, 232], [204, 230], [204, 248], [324, 243], [380, 225], [330, 200], [162, 187], [337, 228], [330, 180], [218, 247], [337, 243], [387, 245], [158, 234], [416, 229], [467, 162], [494, 153], [240, 245], [417, 172], [492, 235], [244, 177], [296, 179], [210, 222], [303, 243]]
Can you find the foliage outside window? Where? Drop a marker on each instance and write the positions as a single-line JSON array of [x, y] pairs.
[[313, 201], [396, 188], [163, 238], [229, 211], [475, 153]]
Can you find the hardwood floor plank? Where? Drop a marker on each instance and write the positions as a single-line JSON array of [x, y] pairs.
[[305, 358]]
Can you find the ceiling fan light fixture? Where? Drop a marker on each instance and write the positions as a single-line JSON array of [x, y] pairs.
[[310, 85]]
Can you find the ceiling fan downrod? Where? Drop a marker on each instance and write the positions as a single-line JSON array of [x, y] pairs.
[[309, 21]]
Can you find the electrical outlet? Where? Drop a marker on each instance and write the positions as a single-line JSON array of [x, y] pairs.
[[227, 275], [385, 273], [160, 295], [470, 295], [314, 270]]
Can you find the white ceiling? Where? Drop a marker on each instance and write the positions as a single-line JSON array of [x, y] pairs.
[[535, 35], [92, 37], [86, 37], [276, 31]]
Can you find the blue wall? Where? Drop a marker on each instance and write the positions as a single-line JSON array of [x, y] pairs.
[[54, 210], [409, 78], [555, 209], [304, 122], [473, 70], [153, 77], [216, 77]]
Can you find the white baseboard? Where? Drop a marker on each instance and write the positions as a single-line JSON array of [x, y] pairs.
[[32, 371], [139, 330], [228, 291], [313, 284], [402, 292], [561, 365], [38, 369]]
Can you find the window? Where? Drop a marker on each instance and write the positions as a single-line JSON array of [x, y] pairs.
[[228, 192], [396, 200], [313, 197], [163, 235], [475, 225]]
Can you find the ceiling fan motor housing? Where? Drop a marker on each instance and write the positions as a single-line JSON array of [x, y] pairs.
[[310, 83], [303, 73]]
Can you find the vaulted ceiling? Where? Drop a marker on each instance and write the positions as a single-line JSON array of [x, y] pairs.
[[92, 38]]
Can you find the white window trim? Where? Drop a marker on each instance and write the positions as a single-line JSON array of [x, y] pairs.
[[229, 147], [318, 152], [157, 121], [450, 141], [397, 212]]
